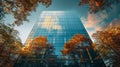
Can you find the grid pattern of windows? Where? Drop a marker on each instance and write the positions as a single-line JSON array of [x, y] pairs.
[[64, 26]]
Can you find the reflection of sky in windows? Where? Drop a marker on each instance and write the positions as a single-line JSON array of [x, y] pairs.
[[59, 27]]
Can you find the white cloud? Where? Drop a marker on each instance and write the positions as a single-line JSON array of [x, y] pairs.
[[91, 22], [50, 23]]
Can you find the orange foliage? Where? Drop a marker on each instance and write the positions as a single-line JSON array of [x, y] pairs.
[[97, 5], [65, 51], [41, 41], [78, 38], [108, 43], [38, 42], [109, 37], [9, 45], [20, 9], [72, 43]]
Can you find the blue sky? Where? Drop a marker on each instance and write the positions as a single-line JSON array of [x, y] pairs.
[[92, 22]]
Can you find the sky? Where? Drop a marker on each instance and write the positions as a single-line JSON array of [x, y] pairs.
[[92, 22]]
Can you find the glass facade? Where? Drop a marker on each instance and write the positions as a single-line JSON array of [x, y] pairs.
[[59, 27]]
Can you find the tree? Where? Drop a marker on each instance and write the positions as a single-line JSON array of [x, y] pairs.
[[98, 5], [20, 9], [73, 42], [9, 45], [39, 50], [75, 47], [107, 43], [40, 45]]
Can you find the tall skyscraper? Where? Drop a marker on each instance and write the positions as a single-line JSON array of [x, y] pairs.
[[59, 27]]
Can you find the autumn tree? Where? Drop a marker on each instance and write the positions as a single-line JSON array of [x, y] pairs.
[[41, 45], [38, 50], [108, 44], [75, 46], [20, 9], [72, 43], [98, 5], [9, 45]]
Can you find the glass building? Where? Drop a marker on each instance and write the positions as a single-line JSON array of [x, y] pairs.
[[59, 27]]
